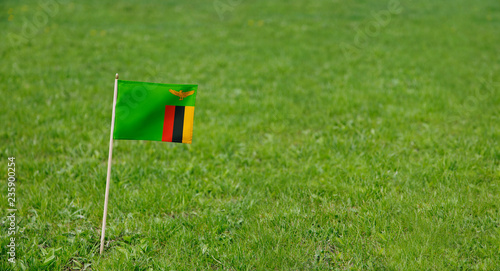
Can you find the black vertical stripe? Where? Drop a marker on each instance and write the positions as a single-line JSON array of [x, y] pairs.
[[178, 124]]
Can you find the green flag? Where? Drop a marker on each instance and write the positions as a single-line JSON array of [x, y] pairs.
[[151, 111]]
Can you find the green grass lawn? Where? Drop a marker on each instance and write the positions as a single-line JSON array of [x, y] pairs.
[[324, 139]]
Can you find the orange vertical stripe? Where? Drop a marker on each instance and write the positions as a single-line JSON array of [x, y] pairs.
[[187, 133]]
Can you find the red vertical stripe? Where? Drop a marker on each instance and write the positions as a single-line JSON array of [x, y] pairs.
[[168, 123]]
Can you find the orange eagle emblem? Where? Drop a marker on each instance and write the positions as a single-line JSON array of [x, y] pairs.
[[181, 94]]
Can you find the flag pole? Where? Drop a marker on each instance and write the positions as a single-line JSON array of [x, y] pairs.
[[110, 159]]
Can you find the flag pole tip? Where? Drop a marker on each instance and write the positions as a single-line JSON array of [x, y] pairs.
[[116, 77]]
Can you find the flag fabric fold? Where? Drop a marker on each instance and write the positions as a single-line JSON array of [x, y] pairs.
[[157, 112]]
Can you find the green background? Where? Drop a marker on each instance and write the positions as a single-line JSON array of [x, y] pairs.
[[305, 157], [140, 108]]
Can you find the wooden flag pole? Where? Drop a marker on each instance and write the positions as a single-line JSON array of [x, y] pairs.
[[110, 159]]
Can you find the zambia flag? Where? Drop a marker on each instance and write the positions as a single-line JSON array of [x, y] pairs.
[[158, 112]]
